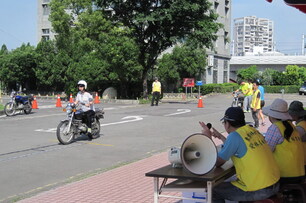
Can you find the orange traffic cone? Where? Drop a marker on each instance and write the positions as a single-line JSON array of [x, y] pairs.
[[200, 103], [96, 101], [70, 99], [34, 103], [58, 102]]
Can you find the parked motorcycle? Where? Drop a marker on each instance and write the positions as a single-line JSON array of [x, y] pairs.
[[237, 99], [18, 102], [73, 127]]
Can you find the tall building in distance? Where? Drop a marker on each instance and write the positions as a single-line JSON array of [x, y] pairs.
[[44, 27], [252, 35]]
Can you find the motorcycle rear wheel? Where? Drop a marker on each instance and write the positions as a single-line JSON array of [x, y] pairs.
[[10, 109], [95, 129], [27, 108], [63, 136]]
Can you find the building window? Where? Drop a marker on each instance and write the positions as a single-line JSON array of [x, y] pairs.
[[46, 9], [216, 5], [225, 73], [45, 38], [46, 31], [215, 76]]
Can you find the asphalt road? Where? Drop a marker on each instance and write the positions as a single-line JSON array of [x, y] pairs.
[[32, 160]]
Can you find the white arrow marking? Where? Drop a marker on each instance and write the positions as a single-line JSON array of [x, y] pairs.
[[180, 111], [132, 119]]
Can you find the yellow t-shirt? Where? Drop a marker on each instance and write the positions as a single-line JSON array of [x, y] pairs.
[[156, 87]]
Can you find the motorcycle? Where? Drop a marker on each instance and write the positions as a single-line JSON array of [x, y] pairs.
[[73, 127], [237, 99], [18, 102]]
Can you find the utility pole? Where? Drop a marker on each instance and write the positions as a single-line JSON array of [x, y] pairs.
[[303, 44]]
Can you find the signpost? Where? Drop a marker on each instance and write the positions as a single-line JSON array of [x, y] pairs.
[[188, 82], [199, 83]]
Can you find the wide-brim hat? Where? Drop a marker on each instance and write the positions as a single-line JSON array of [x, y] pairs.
[[296, 109], [278, 109]]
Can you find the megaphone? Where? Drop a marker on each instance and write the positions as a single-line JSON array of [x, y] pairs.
[[198, 154]]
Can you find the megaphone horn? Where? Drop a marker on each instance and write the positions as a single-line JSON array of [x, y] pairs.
[[198, 154]]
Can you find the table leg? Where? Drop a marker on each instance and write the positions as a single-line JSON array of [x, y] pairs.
[[209, 191], [156, 192]]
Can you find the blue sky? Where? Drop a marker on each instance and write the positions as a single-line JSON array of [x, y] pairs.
[[18, 22]]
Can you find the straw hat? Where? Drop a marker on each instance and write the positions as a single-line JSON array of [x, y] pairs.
[[296, 109], [278, 109]]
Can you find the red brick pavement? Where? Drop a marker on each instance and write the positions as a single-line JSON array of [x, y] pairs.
[[126, 184]]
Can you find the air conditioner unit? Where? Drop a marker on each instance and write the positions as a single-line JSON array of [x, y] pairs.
[[210, 60]]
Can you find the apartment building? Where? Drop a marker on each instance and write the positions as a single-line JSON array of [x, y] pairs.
[[252, 35], [44, 27], [217, 70]]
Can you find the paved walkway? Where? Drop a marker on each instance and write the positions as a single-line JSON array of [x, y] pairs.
[[126, 184]]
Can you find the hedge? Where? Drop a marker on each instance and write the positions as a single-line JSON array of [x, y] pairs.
[[229, 87]]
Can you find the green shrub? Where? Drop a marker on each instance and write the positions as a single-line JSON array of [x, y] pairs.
[[219, 88], [1, 107], [277, 89]]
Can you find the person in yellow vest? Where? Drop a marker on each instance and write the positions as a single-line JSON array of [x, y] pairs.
[[298, 114], [285, 142], [255, 103], [257, 173], [156, 90], [248, 97]]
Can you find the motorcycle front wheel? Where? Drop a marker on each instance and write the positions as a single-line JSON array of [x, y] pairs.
[[63, 135], [27, 108], [96, 129], [9, 109]]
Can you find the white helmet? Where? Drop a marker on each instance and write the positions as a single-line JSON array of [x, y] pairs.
[[83, 82]]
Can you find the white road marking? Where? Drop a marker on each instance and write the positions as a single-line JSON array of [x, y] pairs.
[[126, 119], [180, 111]]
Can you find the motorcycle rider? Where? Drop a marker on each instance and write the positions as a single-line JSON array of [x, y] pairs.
[[85, 99]]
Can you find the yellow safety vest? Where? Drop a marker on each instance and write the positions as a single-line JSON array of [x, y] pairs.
[[254, 99], [251, 89], [257, 169], [244, 88], [156, 87], [289, 154], [303, 125]]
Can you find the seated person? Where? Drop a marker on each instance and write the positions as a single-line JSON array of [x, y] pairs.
[[298, 114], [285, 142], [256, 169]]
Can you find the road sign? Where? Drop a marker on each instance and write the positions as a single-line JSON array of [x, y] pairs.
[[188, 82], [199, 83]]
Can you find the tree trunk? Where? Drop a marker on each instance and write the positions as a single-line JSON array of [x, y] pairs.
[[145, 85]]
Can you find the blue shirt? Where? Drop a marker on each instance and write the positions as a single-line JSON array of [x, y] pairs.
[[262, 92], [233, 146]]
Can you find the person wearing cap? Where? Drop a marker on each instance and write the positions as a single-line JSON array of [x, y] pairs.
[[156, 90], [298, 114], [256, 169], [285, 142], [255, 104]]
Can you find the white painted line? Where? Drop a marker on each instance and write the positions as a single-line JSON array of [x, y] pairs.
[[130, 119], [180, 111]]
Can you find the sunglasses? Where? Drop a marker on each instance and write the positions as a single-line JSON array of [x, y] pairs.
[[81, 85]]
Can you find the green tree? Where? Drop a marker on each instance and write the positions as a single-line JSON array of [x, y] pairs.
[[157, 25], [183, 62], [267, 76], [17, 68], [100, 53], [250, 73], [49, 72]]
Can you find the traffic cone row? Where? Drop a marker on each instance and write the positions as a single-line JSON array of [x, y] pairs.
[[34, 103], [200, 103], [58, 102], [96, 101]]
